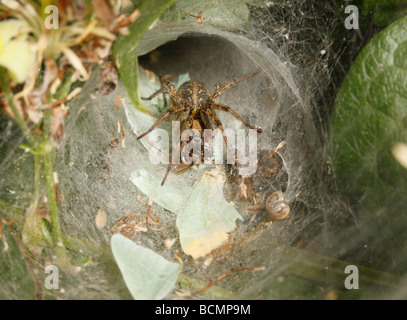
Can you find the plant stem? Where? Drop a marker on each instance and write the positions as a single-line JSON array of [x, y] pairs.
[[61, 255], [17, 116], [48, 160], [37, 176]]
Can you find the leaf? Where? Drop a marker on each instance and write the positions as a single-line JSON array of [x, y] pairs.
[[16, 280], [33, 233], [370, 115], [168, 196], [369, 119], [207, 218], [64, 87], [231, 14], [204, 218], [16, 53], [385, 11], [125, 47], [147, 274]]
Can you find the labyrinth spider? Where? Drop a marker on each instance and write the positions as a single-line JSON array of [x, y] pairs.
[[194, 106]]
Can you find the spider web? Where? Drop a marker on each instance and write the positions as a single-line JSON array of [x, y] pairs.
[[291, 99]]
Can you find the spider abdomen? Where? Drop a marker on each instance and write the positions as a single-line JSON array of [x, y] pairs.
[[194, 93]]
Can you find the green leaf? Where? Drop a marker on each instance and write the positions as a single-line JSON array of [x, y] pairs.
[[370, 115], [46, 229], [32, 233], [65, 86], [204, 217], [207, 217], [125, 48], [369, 119], [385, 11], [16, 280], [147, 274], [168, 196], [231, 14]]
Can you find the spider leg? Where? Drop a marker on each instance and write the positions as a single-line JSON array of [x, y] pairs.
[[168, 83], [169, 167], [187, 124], [165, 115], [219, 91], [171, 87], [230, 110], [170, 90], [162, 89], [218, 85], [217, 122], [162, 85]]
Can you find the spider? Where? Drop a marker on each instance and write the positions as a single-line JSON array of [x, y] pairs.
[[194, 106]]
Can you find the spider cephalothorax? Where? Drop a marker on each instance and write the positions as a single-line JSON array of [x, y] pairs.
[[194, 93], [194, 106]]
